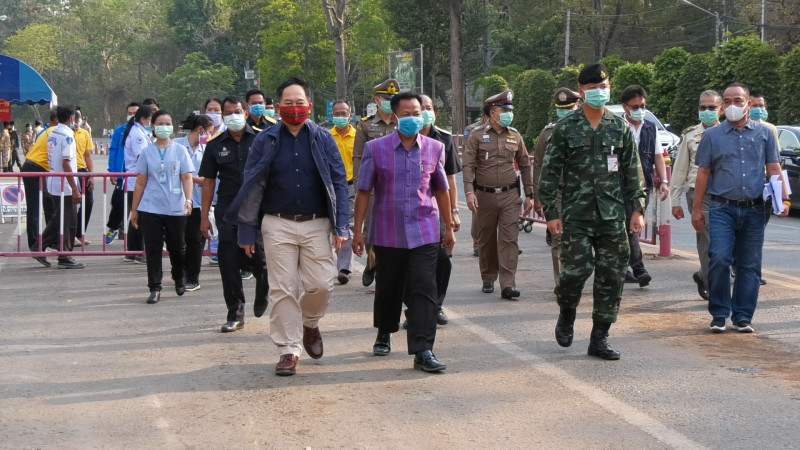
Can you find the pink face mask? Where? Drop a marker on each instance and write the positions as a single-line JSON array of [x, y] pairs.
[[204, 139]]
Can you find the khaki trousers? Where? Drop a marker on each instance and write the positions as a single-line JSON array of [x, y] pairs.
[[498, 230], [300, 271]]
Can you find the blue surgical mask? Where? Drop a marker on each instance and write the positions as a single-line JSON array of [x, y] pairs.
[[708, 117], [270, 113], [597, 98], [258, 110], [341, 122], [505, 119], [428, 118], [759, 113], [561, 113], [386, 106], [409, 126]]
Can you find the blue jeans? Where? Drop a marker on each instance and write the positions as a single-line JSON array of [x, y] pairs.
[[735, 232]]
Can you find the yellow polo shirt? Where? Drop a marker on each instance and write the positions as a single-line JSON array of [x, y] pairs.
[[38, 152], [83, 142], [345, 144]]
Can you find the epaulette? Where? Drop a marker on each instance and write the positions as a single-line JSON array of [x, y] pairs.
[[513, 129], [213, 137], [257, 129], [364, 119], [442, 130], [270, 120], [688, 129], [550, 125]]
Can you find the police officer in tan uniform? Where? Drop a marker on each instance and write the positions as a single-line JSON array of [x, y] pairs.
[[370, 128], [492, 191], [567, 101]]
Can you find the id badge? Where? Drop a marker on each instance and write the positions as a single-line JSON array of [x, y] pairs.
[[162, 177], [613, 163], [486, 138], [176, 181]]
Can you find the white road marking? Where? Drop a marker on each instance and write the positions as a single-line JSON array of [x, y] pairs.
[[613, 405], [795, 281]]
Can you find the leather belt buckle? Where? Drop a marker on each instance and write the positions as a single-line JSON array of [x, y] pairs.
[[498, 190]]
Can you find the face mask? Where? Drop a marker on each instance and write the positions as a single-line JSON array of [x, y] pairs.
[[216, 118], [637, 115], [28, 128], [505, 119], [235, 122], [295, 115], [163, 131], [409, 126], [258, 110], [386, 106], [708, 117], [203, 139], [561, 113], [148, 128], [758, 113], [428, 118], [269, 113], [734, 113], [341, 122], [128, 119], [597, 98]]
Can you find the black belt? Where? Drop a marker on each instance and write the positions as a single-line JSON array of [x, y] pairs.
[[739, 203], [350, 183], [496, 190], [300, 217]]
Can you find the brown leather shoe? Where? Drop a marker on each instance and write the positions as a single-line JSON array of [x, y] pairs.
[[287, 365], [312, 342]]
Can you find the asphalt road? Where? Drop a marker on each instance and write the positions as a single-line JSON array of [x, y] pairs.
[[85, 363]]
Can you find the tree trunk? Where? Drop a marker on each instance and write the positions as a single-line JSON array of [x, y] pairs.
[[456, 74], [334, 13]]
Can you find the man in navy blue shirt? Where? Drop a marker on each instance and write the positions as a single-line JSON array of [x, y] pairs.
[[731, 159]]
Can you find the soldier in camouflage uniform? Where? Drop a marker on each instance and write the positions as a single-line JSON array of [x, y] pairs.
[[593, 153], [567, 101]]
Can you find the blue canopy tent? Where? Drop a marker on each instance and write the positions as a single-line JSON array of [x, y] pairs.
[[21, 85]]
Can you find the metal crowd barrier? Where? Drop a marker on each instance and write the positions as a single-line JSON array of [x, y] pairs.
[[43, 197]]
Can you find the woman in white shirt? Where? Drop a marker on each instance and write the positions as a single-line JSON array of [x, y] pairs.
[[162, 199], [213, 109], [199, 128], [139, 137]]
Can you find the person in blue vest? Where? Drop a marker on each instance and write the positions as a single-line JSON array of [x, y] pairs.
[[162, 199], [634, 102], [116, 164]]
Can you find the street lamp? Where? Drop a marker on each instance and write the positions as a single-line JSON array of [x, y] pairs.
[[716, 16]]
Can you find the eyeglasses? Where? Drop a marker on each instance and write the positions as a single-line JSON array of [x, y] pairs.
[[636, 108], [708, 108]]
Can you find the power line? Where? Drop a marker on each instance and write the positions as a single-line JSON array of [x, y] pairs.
[[626, 15]]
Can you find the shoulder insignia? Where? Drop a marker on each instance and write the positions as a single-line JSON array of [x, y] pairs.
[[69, 140], [550, 125], [270, 120], [257, 129], [513, 129], [688, 129], [364, 119], [441, 130]]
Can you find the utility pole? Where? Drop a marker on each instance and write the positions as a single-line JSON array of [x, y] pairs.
[[566, 42], [763, 19]]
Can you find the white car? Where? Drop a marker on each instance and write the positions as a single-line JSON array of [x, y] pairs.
[[668, 141]]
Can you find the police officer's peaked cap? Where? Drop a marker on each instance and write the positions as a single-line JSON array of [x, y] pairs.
[[566, 98], [504, 99], [388, 88], [595, 73]]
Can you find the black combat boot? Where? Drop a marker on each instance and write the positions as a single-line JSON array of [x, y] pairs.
[[598, 344], [566, 318]]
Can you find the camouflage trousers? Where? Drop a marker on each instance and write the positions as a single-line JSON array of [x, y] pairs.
[[602, 247]]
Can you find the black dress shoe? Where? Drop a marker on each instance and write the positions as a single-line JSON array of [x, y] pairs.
[[441, 318], [426, 361], [42, 260], [564, 327], [629, 278], [155, 296], [383, 344], [343, 277], [643, 279], [476, 253], [701, 287], [510, 293], [180, 287], [368, 277], [488, 287], [232, 325]]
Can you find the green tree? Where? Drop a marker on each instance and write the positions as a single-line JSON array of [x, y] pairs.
[[568, 77], [729, 57], [533, 103], [632, 73], [666, 70], [493, 84], [612, 63], [789, 106], [692, 81], [196, 80], [40, 46], [759, 70]]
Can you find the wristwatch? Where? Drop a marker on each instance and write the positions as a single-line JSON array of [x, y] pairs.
[[455, 211], [665, 182]]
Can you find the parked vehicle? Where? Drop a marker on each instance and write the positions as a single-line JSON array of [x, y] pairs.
[[669, 141], [789, 139]]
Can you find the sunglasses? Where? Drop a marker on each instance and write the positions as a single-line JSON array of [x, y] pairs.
[[636, 108], [708, 108]]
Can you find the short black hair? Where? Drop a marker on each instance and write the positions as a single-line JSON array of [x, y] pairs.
[[739, 85], [196, 120], [232, 99], [53, 115], [408, 95], [38, 123], [253, 92], [268, 101], [144, 112], [132, 104], [758, 94], [631, 92], [292, 81], [12, 123], [159, 113], [64, 113], [150, 101], [336, 102], [205, 106]]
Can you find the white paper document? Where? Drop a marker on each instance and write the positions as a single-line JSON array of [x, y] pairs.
[[774, 189]]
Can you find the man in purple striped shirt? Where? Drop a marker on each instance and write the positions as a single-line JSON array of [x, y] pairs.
[[406, 170]]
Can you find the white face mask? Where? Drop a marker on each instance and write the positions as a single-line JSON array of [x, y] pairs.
[[735, 113], [128, 119], [215, 117]]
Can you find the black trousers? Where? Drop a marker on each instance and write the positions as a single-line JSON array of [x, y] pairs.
[[418, 267], [636, 260], [231, 259], [135, 239], [117, 214], [32, 202], [51, 232], [14, 159], [443, 270], [195, 241], [88, 195], [157, 229]]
